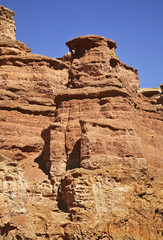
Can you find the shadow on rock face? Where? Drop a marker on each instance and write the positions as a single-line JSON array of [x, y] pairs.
[[6, 229], [61, 203], [42, 165], [74, 158]]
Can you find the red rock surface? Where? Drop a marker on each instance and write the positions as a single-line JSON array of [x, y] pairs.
[[94, 63], [80, 147]]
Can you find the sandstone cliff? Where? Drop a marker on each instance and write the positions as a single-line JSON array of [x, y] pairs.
[[81, 145]]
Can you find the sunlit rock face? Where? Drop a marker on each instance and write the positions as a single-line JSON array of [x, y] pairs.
[[28, 84], [7, 24], [80, 146], [100, 146], [94, 63]]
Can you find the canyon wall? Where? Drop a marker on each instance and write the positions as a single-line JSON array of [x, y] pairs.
[[81, 146]]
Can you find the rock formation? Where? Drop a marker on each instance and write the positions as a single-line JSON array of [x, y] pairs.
[[80, 147], [7, 24]]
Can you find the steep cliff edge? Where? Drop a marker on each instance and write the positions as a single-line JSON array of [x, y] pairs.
[[80, 147]]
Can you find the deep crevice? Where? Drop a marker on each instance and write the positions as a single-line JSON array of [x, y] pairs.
[[61, 204]]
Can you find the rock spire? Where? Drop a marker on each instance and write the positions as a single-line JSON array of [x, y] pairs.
[[7, 24]]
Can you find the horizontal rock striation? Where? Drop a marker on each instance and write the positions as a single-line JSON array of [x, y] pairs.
[[80, 145], [102, 130], [94, 63], [28, 84]]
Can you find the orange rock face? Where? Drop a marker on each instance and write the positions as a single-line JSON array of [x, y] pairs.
[[80, 147], [28, 85]]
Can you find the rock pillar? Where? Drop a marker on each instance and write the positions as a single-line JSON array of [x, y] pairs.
[[7, 24]]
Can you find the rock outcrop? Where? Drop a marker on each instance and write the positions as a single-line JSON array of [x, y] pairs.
[[94, 63], [28, 85], [80, 146], [7, 23]]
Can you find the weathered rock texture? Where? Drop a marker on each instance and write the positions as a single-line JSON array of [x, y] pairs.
[[80, 147], [28, 85], [7, 23], [94, 63]]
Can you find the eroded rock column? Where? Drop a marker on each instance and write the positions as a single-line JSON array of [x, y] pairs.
[[7, 24], [96, 111]]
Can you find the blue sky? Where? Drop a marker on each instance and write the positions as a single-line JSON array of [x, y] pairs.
[[135, 25]]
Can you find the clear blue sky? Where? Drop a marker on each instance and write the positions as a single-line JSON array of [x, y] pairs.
[[135, 25]]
